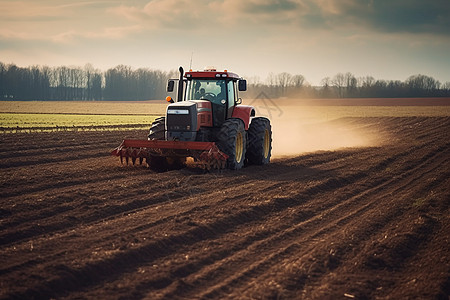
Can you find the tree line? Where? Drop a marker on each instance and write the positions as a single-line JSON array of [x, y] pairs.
[[81, 83], [124, 83], [346, 85]]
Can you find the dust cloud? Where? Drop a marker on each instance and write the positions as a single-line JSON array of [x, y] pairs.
[[300, 129]]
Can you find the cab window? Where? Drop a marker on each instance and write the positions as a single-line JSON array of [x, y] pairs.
[[204, 89], [231, 93], [231, 89]]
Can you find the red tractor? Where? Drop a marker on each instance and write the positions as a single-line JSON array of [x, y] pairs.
[[208, 123]]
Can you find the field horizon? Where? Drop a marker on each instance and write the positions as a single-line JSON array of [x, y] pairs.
[[29, 116]]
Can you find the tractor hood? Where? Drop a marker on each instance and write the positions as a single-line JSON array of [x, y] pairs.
[[181, 107]]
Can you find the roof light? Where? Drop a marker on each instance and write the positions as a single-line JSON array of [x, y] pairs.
[[224, 75], [188, 75], [217, 75]]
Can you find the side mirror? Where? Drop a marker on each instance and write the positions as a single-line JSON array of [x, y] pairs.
[[242, 85], [170, 86]]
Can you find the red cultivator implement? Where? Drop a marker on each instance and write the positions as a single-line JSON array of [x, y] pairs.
[[205, 154]]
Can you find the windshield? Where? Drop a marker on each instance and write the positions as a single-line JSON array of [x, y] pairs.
[[213, 90]]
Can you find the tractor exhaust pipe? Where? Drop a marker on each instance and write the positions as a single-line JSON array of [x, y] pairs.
[[180, 85]]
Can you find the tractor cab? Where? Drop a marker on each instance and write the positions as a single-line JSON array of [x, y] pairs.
[[218, 88]]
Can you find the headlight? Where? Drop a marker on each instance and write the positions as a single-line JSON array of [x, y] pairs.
[[177, 112]]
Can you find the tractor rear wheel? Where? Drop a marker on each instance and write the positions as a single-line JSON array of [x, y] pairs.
[[260, 141], [158, 129], [232, 140]]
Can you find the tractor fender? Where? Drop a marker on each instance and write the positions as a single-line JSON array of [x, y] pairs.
[[244, 112]]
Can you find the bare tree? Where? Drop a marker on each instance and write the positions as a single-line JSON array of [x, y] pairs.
[[297, 81], [283, 81], [422, 85], [351, 85], [338, 81]]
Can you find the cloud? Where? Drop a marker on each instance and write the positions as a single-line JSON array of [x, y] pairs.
[[206, 14], [67, 22], [269, 6], [411, 16], [46, 11], [110, 33], [79, 17], [168, 14]]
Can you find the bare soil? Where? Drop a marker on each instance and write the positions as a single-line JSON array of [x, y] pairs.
[[363, 223]]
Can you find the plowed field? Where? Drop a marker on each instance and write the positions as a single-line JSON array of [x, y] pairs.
[[361, 222]]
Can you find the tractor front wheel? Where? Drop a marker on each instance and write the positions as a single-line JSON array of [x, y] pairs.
[[161, 163], [158, 129], [232, 140]]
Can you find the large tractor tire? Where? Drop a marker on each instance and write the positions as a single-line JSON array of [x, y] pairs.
[[259, 141], [232, 140], [158, 129], [158, 163]]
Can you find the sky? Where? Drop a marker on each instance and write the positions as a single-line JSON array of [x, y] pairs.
[[386, 39]]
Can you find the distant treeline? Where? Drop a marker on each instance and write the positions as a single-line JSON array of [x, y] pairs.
[[349, 86], [124, 83], [76, 83]]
